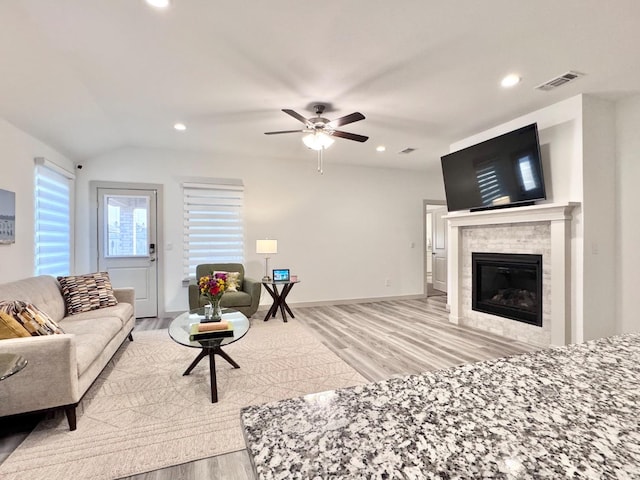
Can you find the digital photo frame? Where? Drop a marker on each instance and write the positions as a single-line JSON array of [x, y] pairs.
[[281, 275]]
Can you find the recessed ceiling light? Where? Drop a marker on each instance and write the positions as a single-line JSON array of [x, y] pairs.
[[380, 148], [158, 3], [180, 127], [510, 80]]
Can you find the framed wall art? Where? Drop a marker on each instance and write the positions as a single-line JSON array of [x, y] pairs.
[[7, 217]]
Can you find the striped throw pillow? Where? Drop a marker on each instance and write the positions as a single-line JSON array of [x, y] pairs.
[[29, 317], [83, 293]]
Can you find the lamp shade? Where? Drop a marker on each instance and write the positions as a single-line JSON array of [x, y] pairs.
[[318, 141], [266, 246]]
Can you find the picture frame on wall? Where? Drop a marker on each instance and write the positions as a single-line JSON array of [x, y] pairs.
[[7, 217]]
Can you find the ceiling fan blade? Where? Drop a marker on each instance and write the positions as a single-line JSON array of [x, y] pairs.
[[298, 117], [354, 117], [283, 131], [350, 136]]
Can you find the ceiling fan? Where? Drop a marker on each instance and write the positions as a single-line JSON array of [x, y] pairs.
[[319, 130], [319, 124]]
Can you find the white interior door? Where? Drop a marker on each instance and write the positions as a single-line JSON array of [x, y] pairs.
[[439, 253], [429, 246], [127, 243]]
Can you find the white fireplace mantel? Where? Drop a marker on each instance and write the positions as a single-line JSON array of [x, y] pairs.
[[546, 212], [559, 216]]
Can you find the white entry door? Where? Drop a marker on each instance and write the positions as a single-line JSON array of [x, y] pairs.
[[439, 254], [127, 243]]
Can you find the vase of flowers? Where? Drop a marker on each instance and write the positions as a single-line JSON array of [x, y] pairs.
[[212, 287]]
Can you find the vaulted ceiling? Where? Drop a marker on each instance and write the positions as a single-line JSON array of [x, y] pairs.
[[91, 76]]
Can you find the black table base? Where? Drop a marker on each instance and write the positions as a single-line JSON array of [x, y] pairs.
[[279, 300], [211, 352]]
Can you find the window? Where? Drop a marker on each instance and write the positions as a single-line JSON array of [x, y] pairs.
[[213, 224], [527, 177], [53, 219], [127, 221], [488, 182]]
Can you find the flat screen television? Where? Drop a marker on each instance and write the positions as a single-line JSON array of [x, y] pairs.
[[505, 171]]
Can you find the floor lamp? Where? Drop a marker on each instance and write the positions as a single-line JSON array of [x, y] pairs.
[[266, 247]]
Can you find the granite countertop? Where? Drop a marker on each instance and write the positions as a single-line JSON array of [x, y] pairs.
[[565, 412]]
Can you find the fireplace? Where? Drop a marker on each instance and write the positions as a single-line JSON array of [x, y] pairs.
[[508, 285]]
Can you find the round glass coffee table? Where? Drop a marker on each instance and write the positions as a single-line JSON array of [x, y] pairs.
[[179, 332]]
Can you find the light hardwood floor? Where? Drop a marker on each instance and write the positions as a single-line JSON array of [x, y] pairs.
[[378, 339]]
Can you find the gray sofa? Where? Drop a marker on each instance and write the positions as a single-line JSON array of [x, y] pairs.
[[61, 368], [246, 300]]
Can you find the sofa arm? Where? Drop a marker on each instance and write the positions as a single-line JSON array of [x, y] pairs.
[[125, 295], [194, 296], [50, 378], [253, 288]]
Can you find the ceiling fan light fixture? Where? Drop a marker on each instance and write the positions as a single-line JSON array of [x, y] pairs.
[[318, 141]]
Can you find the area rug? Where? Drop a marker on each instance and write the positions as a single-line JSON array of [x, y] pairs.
[[142, 414]]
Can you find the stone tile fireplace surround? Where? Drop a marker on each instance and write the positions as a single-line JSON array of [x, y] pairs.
[[538, 229]]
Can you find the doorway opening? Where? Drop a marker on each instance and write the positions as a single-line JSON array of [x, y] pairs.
[[435, 248]]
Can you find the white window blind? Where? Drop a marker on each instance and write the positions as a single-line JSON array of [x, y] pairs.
[[53, 219], [213, 225]]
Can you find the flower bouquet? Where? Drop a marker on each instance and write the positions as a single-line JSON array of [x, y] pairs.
[[212, 287]]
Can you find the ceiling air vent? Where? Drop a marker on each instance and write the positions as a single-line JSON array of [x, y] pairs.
[[559, 81], [408, 150]]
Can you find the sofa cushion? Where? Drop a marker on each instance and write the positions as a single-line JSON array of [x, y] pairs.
[[83, 293], [11, 328], [123, 311], [42, 291], [235, 299], [92, 337], [34, 321]]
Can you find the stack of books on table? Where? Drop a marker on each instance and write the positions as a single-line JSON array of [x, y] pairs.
[[210, 330]]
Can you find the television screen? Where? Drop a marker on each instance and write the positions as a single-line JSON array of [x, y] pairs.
[[502, 171]]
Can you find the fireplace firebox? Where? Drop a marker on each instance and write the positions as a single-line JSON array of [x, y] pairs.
[[508, 285]]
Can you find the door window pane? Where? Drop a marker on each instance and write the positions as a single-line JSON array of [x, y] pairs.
[[127, 229]]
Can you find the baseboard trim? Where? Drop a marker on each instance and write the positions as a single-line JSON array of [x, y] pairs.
[[322, 303], [350, 301]]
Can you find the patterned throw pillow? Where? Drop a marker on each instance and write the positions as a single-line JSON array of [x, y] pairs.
[[33, 320], [10, 327], [233, 281], [83, 293]]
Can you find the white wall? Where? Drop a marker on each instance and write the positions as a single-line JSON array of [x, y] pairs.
[[599, 206], [17, 151], [343, 233], [628, 214]]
